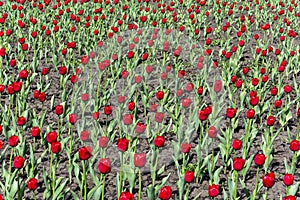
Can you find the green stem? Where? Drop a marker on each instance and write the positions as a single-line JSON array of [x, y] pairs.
[[84, 181], [103, 187], [10, 160], [19, 191], [187, 192], [54, 177], [140, 184], [51, 160], [294, 160], [236, 175], [256, 184]]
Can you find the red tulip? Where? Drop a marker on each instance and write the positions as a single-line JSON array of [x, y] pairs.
[[123, 144], [189, 176], [218, 86], [288, 88], [13, 141], [290, 197], [213, 190], [126, 196], [72, 118], [104, 165], [186, 148], [55, 147], [140, 160], [274, 91], [160, 95], [238, 164], [237, 144], [269, 180], [288, 179], [21, 121], [103, 141], [250, 113], [2, 52], [84, 153], [107, 110], [165, 193], [212, 132], [32, 184], [140, 127], [231, 112], [59, 109], [189, 87], [127, 119], [85, 97], [159, 117], [84, 135], [271, 120], [159, 141], [278, 103], [295, 145], [35, 131], [259, 159], [18, 162], [51, 137], [131, 106]]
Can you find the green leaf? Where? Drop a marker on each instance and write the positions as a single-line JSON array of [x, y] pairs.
[[293, 189], [59, 189]]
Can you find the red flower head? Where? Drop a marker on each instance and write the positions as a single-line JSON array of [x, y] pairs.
[[218, 86], [288, 179], [104, 165], [13, 141], [259, 159], [84, 60], [189, 176], [127, 119], [231, 112], [51, 137], [140, 127], [269, 180], [238, 164], [290, 197], [35, 131], [295, 145], [237, 144], [123, 144], [59, 109], [131, 106], [32, 184], [212, 132], [103, 141], [250, 113], [84, 153], [159, 141], [165, 193], [159, 117], [213, 190], [18, 162], [84, 135], [271, 120], [21, 121], [126, 196], [107, 110], [160, 95], [140, 160], [72, 118], [96, 115], [186, 148], [55, 147]]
